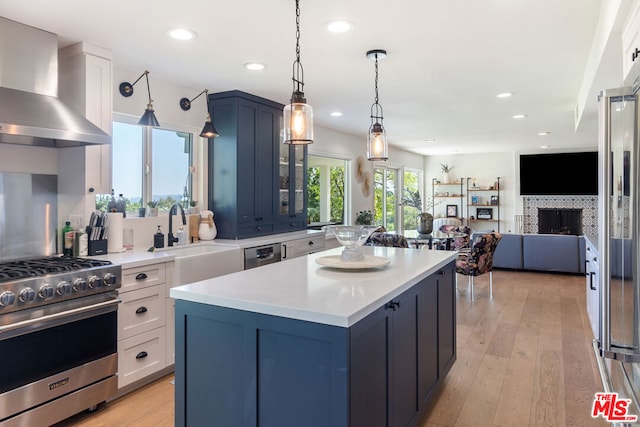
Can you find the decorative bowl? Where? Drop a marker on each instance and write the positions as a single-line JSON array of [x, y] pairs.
[[352, 237]]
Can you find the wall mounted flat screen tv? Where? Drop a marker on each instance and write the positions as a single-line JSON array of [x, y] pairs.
[[559, 174]]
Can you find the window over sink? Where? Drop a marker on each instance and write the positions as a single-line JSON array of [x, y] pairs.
[[150, 164]]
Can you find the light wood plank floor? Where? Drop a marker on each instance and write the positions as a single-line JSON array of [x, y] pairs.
[[524, 359]]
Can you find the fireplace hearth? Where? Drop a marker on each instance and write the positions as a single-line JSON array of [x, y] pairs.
[[560, 221]]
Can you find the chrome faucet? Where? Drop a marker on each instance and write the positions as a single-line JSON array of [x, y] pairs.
[[170, 237]]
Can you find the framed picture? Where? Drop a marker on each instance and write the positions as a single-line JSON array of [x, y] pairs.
[[484, 213], [452, 211], [494, 200], [475, 200]]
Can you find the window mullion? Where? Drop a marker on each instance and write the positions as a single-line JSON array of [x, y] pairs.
[[147, 167]]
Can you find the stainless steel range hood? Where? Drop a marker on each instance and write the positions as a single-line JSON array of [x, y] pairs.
[[30, 111]]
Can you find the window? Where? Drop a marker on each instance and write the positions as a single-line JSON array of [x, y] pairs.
[[385, 197], [327, 189], [150, 164], [412, 198]]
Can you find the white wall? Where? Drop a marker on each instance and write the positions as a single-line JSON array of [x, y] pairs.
[[485, 168]]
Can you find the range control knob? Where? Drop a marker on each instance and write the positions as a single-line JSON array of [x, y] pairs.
[[27, 295], [80, 285], [45, 291], [95, 282], [63, 288], [7, 298], [110, 279]]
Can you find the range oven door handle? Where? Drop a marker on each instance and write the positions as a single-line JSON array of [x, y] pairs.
[[57, 316]]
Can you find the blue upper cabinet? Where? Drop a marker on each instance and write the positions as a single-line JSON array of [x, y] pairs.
[[245, 169]]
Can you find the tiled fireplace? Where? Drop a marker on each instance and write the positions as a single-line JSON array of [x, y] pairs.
[[584, 207]]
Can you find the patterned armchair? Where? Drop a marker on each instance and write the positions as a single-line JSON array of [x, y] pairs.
[[478, 259], [458, 242], [387, 239]]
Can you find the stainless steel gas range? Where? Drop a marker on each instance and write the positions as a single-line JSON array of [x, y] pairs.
[[58, 338]]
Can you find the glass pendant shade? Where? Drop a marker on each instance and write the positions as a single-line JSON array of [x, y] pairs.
[[377, 147], [149, 117], [209, 131], [298, 120]]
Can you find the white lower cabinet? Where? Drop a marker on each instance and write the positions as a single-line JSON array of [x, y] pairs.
[[305, 246], [141, 356], [142, 319]]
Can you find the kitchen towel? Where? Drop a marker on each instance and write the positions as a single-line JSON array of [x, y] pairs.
[[115, 223]]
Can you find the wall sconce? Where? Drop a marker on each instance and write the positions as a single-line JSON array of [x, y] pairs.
[[377, 146], [149, 117], [208, 131]]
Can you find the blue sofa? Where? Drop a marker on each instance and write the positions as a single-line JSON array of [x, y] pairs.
[[541, 252]]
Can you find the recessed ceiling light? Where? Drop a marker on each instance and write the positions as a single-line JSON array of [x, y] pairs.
[[504, 95], [545, 133], [181, 33], [430, 141], [336, 114], [519, 116], [545, 146], [338, 26], [254, 66]]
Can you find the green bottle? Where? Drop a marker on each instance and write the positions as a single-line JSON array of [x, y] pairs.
[[67, 239]]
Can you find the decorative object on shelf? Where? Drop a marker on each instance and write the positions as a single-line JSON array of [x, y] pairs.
[[208, 131], [377, 146], [149, 117], [446, 169], [298, 115], [364, 218], [475, 200], [153, 207], [494, 200], [352, 237], [452, 211], [484, 213], [360, 169]]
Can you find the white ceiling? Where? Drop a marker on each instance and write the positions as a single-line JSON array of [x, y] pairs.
[[446, 60]]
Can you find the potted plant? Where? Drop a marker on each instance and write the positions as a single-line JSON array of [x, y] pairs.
[[193, 206], [153, 207], [364, 218], [446, 169]]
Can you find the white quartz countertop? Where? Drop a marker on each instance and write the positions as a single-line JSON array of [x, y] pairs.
[[141, 256], [301, 289]]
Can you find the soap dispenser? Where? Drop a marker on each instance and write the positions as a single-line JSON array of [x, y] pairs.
[[182, 237], [158, 239]]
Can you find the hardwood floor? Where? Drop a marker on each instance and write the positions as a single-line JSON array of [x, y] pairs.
[[524, 359]]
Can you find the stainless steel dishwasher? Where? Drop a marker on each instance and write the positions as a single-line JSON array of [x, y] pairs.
[[262, 255]]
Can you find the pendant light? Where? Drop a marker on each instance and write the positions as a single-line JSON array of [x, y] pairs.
[[377, 146], [208, 131], [298, 115], [149, 117]]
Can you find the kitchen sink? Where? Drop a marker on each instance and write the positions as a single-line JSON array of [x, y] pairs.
[[195, 263]]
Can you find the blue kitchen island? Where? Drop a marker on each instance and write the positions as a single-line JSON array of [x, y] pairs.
[[298, 344]]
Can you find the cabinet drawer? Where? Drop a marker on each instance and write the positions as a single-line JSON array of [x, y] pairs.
[[141, 356], [293, 225], [142, 277], [255, 230], [309, 245], [141, 311]]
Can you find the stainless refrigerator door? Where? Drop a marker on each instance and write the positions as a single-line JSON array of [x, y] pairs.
[[617, 242]]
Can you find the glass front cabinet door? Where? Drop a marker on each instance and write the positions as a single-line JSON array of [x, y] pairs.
[[292, 187]]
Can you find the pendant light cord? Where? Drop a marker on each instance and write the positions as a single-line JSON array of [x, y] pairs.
[[376, 108], [298, 72]]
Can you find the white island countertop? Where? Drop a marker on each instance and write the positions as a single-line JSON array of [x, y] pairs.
[[301, 289]]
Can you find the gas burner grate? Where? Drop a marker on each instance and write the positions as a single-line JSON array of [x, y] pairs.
[[20, 269]]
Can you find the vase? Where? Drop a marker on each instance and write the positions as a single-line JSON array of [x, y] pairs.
[[153, 212], [424, 223], [445, 178]]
